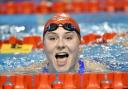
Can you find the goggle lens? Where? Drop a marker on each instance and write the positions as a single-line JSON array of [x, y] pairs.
[[67, 26]]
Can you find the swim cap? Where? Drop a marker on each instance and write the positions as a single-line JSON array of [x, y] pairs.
[[61, 18]]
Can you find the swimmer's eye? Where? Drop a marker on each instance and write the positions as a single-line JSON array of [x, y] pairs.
[[52, 38], [69, 38]]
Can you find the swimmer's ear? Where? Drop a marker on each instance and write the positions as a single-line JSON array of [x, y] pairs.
[[80, 48]]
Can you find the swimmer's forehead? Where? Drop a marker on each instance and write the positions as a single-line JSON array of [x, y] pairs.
[[67, 32]]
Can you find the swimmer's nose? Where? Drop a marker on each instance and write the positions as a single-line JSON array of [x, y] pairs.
[[60, 45]]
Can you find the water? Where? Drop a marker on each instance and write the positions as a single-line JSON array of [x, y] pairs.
[[9, 62], [114, 55], [115, 59]]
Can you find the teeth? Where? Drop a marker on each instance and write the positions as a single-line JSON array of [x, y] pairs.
[[61, 55]]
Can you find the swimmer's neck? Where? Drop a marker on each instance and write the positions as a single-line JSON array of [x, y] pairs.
[[73, 69]]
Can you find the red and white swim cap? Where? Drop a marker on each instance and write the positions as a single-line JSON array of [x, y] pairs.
[[62, 18]]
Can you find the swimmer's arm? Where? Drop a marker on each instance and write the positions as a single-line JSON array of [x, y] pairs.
[[94, 66], [33, 67]]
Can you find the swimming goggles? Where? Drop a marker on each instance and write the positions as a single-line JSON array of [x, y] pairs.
[[66, 26]]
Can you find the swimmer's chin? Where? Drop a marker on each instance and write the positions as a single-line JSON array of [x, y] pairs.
[[59, 71], [62, 70]]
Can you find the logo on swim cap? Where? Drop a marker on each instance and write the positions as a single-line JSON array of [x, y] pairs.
[[61, 17]]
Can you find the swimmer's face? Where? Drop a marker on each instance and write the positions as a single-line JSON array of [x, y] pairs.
[[62, 48]]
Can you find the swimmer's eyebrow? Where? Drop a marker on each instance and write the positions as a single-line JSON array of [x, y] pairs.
[[51, 33], [71, 32]]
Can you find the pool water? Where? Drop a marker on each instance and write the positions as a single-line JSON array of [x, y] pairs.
[[114, 56]]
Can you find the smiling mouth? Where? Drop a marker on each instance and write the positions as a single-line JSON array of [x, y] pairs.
[[61, 58]]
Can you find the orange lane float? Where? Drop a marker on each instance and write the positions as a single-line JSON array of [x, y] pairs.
[[42, 8], [125, 3], [12, 40], [119, 5], [105, 80], [125, 79], [93, 6], [69, 81], [40, 46], [7, 83], [10, 8], [35, 81], [25, 7], [85, 6], [2, 81], [93, 82], [110, 5], [19, 82], [34, 40], [29, 81], [1, 43], [7, 87], [93, 38], [57, 82], [117, 80], [109, 36], [85, 39], [90, 38], [58, 7], [78, 7], [2, 7], [44, 82]]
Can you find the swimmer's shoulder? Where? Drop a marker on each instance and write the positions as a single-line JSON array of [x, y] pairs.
[[44, 63]]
